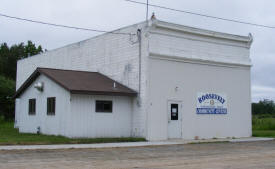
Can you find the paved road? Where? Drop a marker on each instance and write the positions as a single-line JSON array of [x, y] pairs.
[[252, 155]]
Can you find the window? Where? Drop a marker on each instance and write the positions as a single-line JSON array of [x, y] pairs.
[[174, 111], [51, 106], [31, 106], [104, 106]]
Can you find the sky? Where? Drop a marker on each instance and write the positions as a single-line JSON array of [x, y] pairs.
[[113, 14]]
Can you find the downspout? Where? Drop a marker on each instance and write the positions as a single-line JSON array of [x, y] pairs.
[[139, 65]]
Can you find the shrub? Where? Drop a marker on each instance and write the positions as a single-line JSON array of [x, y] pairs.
[[1, 119], [267, 123], [7, 89]]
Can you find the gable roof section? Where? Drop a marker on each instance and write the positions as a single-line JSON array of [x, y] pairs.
[[79, 82]]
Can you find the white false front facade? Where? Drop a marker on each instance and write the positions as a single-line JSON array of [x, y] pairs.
[[186, 62], [180, 83], [177, 64]]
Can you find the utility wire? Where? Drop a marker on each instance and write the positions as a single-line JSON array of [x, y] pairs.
[[203, 15], [63, 26]]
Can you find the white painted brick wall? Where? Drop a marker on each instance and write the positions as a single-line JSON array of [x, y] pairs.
[[108, 54]]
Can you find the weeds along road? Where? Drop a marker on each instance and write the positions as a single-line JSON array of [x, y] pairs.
[[246, 155]]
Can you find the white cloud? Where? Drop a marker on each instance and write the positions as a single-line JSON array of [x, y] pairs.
[[262, 92]]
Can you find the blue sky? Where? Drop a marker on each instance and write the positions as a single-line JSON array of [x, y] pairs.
[[110, 15]]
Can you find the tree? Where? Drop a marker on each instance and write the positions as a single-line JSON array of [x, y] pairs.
[[30, 49], [263, 107], [10, 55], [7, 89], [8, 62]]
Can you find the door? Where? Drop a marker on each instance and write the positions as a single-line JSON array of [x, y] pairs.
[[174, 119]]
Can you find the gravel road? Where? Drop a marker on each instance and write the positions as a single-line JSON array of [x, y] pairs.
[[248, 155]]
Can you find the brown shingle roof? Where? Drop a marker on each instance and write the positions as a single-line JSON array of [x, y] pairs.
[[79, 82]]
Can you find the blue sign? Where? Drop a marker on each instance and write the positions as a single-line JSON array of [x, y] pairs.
[[211, 103]]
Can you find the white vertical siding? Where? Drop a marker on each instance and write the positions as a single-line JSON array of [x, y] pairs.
[[85, 122], [75, 115], [56, 124]]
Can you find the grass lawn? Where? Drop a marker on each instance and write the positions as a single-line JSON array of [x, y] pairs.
[[263, 133], [263, 126], [11, 136]]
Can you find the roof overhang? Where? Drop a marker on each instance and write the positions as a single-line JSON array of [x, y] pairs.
[[120, 90]]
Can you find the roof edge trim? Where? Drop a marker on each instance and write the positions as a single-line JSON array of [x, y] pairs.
[[181, 28], [197, 60], [102, 93], [39, 70]]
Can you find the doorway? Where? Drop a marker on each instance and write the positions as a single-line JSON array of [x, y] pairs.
[[174, 119]]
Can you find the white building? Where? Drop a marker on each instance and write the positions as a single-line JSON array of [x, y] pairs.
[[173, 82]]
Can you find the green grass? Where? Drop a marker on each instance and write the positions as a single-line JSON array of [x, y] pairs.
[[264, 133], [11, 136], [267, 123], [263, 126]]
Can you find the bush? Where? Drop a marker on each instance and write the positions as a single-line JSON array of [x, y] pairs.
[[1, 119], [7, 90], [267, 123], [263, 116]]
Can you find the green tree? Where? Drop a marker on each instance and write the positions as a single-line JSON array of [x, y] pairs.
[[263, 107], [10, 55], [30, 49], [8, 62], [7, 89]]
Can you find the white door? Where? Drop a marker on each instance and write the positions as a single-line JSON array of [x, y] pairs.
[[174, 119]]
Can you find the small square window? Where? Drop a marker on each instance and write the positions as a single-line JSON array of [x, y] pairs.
[[32, 106], [104, 106], [51, 106]]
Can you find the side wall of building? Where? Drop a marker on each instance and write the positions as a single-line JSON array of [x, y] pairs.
[[86, 122], [114, 55], [49, 124]]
